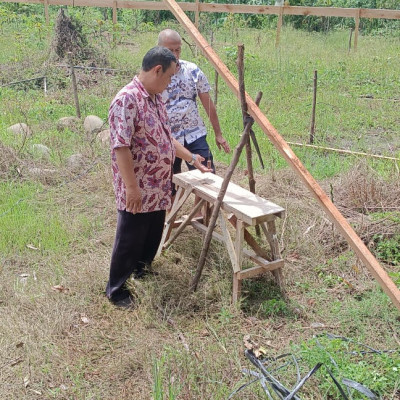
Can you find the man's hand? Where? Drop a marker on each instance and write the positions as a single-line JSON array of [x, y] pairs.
[[133, 199], [198, 164], [221, 142]]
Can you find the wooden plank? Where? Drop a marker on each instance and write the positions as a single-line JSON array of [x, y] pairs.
[[379, 13], [261, 269], [245, 205], [333, 213], [231, 8]]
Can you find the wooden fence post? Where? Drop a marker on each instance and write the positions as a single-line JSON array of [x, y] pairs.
[[74, 85], [196, 15], [114, 19], [314, 104], [279, 27], [215, 74], [46, 11], [356, 29]]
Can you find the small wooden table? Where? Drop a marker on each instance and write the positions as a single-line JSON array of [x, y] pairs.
[[242, 209]]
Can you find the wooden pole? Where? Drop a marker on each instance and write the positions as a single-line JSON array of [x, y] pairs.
[[46, 11], [240, 65], [74, 85], [279, 27], [215, 74], [114, 20], [314, 104], [356, 29], [220, 198], [245, 115], [114, 16], [351, 34], [323, 200], [197, 15]]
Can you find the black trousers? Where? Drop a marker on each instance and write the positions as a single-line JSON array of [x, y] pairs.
[[136, 242]]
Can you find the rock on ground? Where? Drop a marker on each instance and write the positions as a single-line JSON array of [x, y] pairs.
[[104, 136], [93, 124], [41, 151], [20, 129], [68, 122]]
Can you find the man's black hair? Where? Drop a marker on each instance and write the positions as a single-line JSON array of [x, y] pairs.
[[158, 56]]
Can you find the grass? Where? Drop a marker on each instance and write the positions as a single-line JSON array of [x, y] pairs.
[[59, 336]]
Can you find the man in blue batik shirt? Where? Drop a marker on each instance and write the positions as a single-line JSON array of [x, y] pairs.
[[188, 84]]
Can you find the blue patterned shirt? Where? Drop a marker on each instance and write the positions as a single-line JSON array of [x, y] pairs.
[[180, 100]]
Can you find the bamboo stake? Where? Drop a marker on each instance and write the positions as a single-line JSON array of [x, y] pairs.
[[220, 198], [333, 213], [74, 85], [314, 104], [354, 153], [351, 34]]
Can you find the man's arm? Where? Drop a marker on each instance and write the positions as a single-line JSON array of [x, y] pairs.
[[125, 165], [212, 115], [186, 155]]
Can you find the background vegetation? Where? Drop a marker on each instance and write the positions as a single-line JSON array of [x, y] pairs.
[[59, 336]]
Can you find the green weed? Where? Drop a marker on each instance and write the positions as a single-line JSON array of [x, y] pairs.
[[376, 370]]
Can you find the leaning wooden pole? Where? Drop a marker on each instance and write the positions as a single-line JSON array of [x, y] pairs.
[[333, 213], [220, 198]]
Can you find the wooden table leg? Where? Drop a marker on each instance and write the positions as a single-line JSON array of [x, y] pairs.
[[269, 230], [237, 283], [236, 287], [180, 199]]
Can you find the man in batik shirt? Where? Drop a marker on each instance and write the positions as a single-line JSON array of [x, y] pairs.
[[188, 84], [142, 154]]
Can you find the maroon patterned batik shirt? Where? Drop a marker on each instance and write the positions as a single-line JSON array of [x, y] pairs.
[[138, 122]]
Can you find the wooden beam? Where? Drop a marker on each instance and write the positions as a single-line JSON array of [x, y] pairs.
[[333, 213], [231, 8], [263, 267]]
